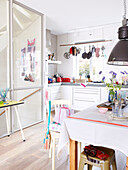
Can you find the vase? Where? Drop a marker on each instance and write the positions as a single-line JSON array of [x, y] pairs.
[[111, 96], [4, 99]]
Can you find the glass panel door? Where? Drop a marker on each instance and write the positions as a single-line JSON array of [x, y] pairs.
[[4, 57], [27, 47], [27, 63], [30, 111]]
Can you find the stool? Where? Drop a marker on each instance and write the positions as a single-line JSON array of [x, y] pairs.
[[94, 161]]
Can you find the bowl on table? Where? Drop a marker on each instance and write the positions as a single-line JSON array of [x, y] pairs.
[[103, 110]]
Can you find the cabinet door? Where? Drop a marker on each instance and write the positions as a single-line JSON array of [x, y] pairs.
[[85, 97], [67, 93], [54, 93]]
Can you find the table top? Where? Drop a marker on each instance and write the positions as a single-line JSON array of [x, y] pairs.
[[92, 114], [10, 103], [92, 127]]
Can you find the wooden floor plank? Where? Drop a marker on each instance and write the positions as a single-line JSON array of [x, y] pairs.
[[29, 155]]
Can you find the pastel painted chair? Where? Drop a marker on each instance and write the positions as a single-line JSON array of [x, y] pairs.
[[94, 161], [54, 135]]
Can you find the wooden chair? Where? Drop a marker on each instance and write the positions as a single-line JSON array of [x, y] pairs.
[[94, 161], [53, 134]]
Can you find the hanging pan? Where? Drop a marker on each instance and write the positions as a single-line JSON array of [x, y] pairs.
[[66, 55]]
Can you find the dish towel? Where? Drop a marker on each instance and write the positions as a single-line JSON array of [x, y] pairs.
[[60, 114]]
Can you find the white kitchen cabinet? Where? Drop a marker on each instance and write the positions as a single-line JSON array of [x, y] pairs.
[[67, 93], [54, 93], [85, 97], [80, 97]]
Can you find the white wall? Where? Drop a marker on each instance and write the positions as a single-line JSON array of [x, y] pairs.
[[104, 32]]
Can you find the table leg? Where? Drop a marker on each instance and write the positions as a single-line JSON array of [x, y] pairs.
[[73, 155], [127, 163], [19, 123], [7, 121]]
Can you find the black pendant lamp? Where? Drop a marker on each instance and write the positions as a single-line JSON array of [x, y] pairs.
[[119, 54]]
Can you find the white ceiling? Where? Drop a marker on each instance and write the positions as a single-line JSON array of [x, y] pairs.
[[69, 15]]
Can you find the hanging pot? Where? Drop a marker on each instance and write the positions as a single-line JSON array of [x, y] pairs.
[[78, 50], [66, 55], [84, 55], [73, 51], [89, 53]]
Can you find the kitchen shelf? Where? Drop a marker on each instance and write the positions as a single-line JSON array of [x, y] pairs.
[[54, 62]]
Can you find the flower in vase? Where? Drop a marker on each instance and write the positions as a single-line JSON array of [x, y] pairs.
[[100, 72], [124, 77], [125, 72], [113, 87], [103, 78]]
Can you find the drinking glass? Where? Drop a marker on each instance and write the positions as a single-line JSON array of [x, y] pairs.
[[109, 116]]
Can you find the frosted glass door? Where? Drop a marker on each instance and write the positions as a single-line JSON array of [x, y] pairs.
[[4, 60], [27, 64], [27, 47]]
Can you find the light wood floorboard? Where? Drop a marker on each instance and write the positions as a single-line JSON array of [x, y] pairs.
[[29, 155]]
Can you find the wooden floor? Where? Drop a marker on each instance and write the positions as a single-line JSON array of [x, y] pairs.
[[29, 155]]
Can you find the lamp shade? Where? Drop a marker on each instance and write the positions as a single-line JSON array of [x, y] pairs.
[[119, 54]]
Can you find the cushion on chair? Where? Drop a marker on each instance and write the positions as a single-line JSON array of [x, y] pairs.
[[55, 127], [61, 113]]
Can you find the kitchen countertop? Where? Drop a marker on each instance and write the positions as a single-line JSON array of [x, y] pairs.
[[89, 84], [76, 84], [54, 84]]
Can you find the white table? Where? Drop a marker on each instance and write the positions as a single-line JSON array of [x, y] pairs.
[[92, 127]]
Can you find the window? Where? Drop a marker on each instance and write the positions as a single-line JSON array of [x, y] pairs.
[[93, 65]]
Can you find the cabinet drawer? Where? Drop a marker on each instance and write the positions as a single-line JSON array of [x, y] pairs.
[[54, 93], [55, 89], [55, 96], [89, 90], [87, 96], [81, 105]]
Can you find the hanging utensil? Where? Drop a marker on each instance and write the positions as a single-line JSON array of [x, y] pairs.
[[102, 48], [84, 55], [89, 53], [67, 55], [78, 50], [97, 52], [93, 50]]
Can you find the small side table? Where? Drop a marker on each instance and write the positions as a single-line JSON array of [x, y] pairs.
[[7, 104]]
